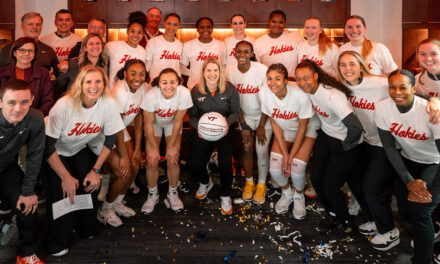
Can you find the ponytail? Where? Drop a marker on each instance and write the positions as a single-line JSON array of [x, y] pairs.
[[367, 47]]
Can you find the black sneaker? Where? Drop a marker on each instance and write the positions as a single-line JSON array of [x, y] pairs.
[[328, 222], [4, 208]]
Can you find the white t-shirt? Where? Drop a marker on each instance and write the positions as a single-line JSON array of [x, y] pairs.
[[411, 130], [249, 85], [162, 54], [61, 46], [364, 99], [279, 50], [328, 62], [296, 105], [196, 52], [429, 87], [128, 103], [379, 61], [331, 106], [230, 43], [118, 53], [166, 109], [75, 128]]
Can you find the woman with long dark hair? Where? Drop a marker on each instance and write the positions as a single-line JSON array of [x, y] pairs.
[[336, 151]]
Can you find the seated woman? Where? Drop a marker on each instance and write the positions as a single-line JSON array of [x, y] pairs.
[[22, 67], [75, 120], [90, 54], [124, 160], [164, 107], [402, 118]]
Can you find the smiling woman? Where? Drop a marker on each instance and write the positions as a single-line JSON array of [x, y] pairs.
[[74, 121], [90, 54], [23, 52]]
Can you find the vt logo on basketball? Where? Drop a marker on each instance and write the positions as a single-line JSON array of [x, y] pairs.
[[212, 118]]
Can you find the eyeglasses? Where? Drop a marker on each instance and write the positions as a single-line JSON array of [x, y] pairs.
[[23, 51]]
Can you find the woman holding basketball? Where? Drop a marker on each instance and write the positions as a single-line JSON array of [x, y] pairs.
[[214, 94], [249, 77], [164, 107]]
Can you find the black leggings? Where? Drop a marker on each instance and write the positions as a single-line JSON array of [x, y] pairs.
[[420, 214], [331, 168], [201, 152], [378, 188], [60, 233], [11, 180]]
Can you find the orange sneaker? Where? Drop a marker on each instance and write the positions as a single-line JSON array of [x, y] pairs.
[[32, 259]]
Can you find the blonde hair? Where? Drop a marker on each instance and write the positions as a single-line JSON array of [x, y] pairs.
[[76, 90], [222, 78], [367, 45], [82, 57], [425, 41], [359, 59], [324, 42]]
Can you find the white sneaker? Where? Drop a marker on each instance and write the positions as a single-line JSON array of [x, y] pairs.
[[226, 205], [353, 206], [134, 188], [105, 182], [60, 253], [122, 210], [203, 190], [437, 259], [282, 206], [386, 241], [175, 202], [436, 238], [299, 206], [109, 217], [148, 206], [368, 228]]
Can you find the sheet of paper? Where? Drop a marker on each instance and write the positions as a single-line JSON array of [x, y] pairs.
[[62, 207]]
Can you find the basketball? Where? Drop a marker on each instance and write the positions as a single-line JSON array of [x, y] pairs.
[[212, 126]]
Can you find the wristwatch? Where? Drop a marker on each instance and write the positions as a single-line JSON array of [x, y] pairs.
[[97, 171]]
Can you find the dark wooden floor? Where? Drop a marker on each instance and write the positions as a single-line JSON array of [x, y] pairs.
[[251, 235]]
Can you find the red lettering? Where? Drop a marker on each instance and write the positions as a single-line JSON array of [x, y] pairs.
[[125, 59], [81, 128], [433, 94], [369, 66], [131, 110], [232, 54], [362, 104], [165, 113], [316, 60], [286, 115], [319, 112], [62, 52], [249, 89], [410, 133], [203, 56], [167, 56], [284, 48]]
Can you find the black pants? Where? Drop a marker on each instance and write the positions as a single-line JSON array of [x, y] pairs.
[[83, 221], [201, 152], [378, 188], [11, 180], [420, 214], [331, 168]]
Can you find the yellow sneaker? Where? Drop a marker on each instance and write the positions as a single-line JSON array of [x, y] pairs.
[[248, 190], [260, 194]]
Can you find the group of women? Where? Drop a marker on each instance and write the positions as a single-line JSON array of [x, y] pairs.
[[341, 114]]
